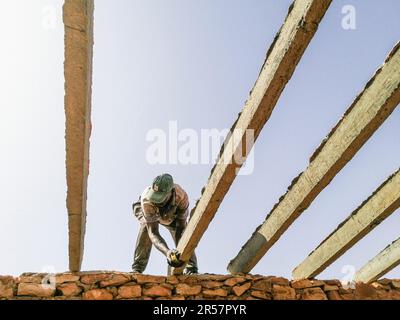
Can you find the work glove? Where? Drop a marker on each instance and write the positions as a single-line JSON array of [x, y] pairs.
[[173, 258]]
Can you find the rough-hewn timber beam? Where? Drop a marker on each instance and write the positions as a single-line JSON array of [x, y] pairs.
[[78, 23], [386, 260], [369, 110], [383, 202], [282, 58]]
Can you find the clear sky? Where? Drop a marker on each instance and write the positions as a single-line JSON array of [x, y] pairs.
[[193, 62]]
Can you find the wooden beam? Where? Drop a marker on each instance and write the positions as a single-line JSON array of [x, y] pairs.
[[369, 110], [386, 260], [78, 24], [282, 58], [382, 203]]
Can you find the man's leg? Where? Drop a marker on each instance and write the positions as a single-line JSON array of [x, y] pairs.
[[191, 267], [142, 250]]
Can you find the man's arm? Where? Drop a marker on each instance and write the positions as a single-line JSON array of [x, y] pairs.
[[182, 212], [180, 227], [156, 239]]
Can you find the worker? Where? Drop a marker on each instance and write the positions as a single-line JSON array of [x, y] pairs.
[[165, 203]]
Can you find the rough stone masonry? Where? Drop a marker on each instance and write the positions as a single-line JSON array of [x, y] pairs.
[[128, 286]]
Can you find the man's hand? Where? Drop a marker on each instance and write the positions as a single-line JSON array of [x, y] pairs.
[[173, 258]]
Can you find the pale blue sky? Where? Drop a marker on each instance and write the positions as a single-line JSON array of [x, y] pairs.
[[194, 62]]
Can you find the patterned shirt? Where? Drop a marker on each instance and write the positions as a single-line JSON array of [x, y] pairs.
[[176, 208]]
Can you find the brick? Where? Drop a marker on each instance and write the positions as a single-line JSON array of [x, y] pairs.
[[261, 295], [215, 293], [209, 277], [240, 289], [63, 278], [313, 294], [115, 280], [333, 282], [395, 295], [333, 295], [6, 291], [167, 285], [347, 296], [380, 286], [211, 284], [141, 279], [306, 283], [70, 289], [283, 292], [186, 290], [328, 287], [234, 281], [129, 292], [7, 280], [190, 280], [279, 281], [262, 285], [94, 278], [35, 290], [345, 290], [98, 294], [30, 278], [365, 291], [6, 287], [396, 284], [157, 291]]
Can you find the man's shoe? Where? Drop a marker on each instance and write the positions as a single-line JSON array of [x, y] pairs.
[[190, 271], [136, 271]]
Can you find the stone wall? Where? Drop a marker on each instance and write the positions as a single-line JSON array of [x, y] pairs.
[[116, 285]]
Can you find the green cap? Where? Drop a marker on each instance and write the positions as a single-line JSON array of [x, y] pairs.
[[161, 188]]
